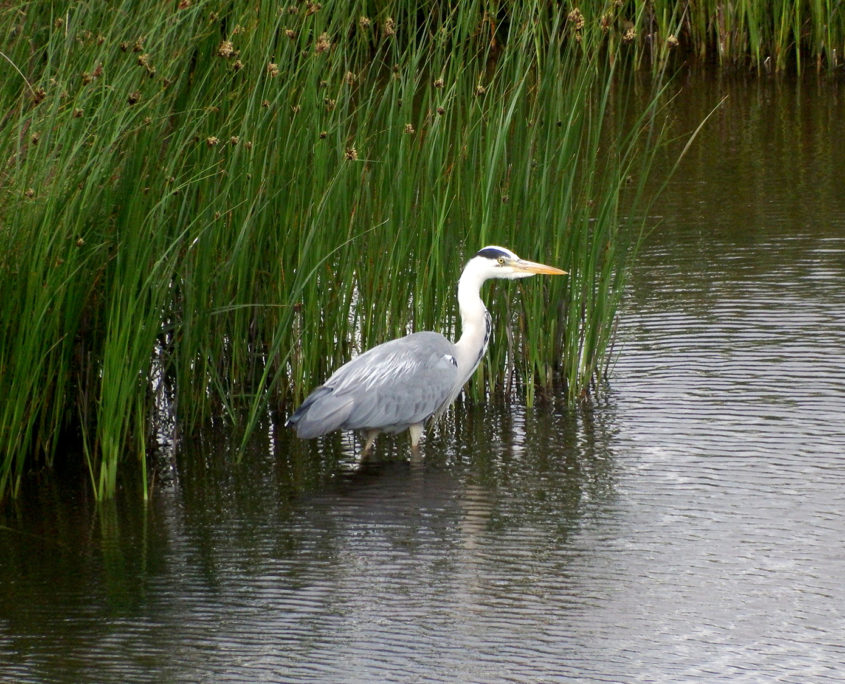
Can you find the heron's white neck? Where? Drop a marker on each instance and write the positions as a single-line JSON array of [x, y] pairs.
[[475, 322]]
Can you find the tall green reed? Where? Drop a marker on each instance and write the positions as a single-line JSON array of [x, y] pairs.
[[233, 200]]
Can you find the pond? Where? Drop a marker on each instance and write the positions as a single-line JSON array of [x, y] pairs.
[[686, 524]]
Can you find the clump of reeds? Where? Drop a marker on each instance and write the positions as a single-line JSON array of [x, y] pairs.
[[231, 202], [766, 36]]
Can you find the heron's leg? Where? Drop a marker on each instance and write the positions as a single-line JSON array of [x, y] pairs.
[[370, 437], [416, 431]]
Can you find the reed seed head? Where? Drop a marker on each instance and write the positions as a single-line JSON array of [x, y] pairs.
[[629, 35], [364, 22], [389, 27], [134, 97], [77, 113], [480, 89], [438, 83], [671, 41], [409, 129], [323, 135], [351, 153], [80, 242], [29, 193], [312, 7], [144, 61], [273, 69], [323, 43], [184, 4], [234, 140], [290, 33], [576, 19], [87, 78], [349, 78], [212, 141], [226, 49], [440, 111]]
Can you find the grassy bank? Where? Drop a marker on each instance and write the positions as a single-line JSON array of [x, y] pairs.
[[206, 208]]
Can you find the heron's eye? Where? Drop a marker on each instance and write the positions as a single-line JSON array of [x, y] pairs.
[[501, 261]]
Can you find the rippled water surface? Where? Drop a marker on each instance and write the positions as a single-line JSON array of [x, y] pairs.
[[688, 525]]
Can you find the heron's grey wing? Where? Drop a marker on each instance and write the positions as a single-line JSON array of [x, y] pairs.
[[398, 383]]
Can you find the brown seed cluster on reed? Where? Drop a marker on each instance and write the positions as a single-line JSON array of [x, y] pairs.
[[576, 19], [323, 43]]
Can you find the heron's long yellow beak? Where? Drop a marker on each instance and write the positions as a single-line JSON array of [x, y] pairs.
[[533, 267]]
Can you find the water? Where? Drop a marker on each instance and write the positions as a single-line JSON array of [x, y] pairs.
[[687, 525]]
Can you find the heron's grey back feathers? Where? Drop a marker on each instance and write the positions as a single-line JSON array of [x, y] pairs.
[[390, 387]]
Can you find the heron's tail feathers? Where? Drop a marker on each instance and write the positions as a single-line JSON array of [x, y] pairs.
[[321, 412]]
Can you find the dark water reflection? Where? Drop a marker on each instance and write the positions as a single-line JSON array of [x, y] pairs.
[[687, 526]]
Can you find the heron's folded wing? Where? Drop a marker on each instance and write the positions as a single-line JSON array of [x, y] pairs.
[[399, 383]]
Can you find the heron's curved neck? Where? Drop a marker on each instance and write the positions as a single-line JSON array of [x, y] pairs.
[[475, 324]]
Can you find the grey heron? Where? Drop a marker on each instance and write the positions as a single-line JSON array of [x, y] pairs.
[[399, 385]]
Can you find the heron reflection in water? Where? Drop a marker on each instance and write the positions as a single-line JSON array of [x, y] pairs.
[[399, 385]]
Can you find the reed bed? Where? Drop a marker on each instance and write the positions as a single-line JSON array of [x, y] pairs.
[[206, 207]]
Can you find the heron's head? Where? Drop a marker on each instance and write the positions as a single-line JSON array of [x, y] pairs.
[[498, 262]]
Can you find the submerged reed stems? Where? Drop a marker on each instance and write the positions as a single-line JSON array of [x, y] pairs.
[[225, 202]]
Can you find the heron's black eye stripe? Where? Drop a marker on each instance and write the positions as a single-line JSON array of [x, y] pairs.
[[491, 253]]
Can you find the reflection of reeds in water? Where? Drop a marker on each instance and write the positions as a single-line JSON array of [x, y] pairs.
[[230, 205]]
